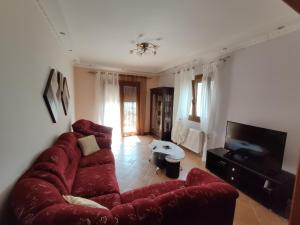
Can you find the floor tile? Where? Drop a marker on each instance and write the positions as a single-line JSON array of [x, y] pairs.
[[134, 170]]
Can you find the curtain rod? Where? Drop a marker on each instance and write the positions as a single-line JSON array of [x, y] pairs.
[[94, 72], [184, 68], [222, 59]]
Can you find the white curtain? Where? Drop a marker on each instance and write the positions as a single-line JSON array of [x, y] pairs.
[[209, 100], [182, 103], [108, 101]]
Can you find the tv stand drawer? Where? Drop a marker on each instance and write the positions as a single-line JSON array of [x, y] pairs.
[[233, 174], [217, 165], [272, 191]]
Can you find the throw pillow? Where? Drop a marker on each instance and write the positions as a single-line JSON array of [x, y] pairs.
[[82, 201], [88, 145]]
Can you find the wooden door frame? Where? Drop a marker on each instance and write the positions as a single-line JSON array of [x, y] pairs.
[[133, 84], [295, 210]]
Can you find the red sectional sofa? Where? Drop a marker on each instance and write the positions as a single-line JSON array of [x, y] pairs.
[[37, 198]]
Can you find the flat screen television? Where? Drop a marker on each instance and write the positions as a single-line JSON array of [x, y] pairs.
[[258, 148]]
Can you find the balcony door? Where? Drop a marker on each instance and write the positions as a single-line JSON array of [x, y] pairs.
[[129, 99]]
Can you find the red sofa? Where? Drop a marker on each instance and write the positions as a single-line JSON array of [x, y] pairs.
[[37, 198], [103, 134]]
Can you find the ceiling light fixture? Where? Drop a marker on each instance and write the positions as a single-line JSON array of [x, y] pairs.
[[145, 47]]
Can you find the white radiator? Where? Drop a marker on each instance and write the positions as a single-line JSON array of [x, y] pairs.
[[194, 140]]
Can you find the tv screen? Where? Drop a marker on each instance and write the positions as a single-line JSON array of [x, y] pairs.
[[258, 148]]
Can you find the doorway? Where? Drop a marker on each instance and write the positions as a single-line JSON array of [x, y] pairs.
[[129, 103]]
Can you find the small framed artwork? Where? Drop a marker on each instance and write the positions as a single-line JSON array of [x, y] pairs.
[[60, 85], [65, 97], [50, 97]]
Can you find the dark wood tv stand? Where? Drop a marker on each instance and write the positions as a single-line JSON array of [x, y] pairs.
[[273, 191]]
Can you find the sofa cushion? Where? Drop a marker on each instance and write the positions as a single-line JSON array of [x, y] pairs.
[[88, 145], [83, 201], [109, 200], [103, 156], [94, 181], [152, 191]]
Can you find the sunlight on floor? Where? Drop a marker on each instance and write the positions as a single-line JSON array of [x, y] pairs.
[[134, 170]]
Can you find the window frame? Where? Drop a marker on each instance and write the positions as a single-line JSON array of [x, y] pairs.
[[193, 117]]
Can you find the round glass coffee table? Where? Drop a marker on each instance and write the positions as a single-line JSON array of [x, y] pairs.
[[162, 150]]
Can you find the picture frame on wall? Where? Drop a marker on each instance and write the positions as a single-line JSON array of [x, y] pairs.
[[60, 85], [65, 97], [50, 96]]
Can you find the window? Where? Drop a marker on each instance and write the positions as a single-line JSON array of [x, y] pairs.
[[196, 99]]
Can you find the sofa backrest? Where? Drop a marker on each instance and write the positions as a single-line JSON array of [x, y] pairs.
[[32, 195], [68, 142], [50, 176], [58, 164], [85, 127]]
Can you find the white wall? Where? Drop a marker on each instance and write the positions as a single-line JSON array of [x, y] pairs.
[[261, 87], [28, 49], [166, 80]]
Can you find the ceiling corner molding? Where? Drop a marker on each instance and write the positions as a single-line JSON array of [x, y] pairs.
[[214, 54], [295, 4], [42, 9], [56, 22], [99, 67]]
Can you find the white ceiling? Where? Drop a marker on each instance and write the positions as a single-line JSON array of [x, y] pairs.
[[99, 31]]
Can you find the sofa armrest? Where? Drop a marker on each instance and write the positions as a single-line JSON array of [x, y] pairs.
[[199, 205], [87, 132], [102, 128], [105, 129], [191, 205], [103, 142], [198, 177], [68, 214], [152, 191]]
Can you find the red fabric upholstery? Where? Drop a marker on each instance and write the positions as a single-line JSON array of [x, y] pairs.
[[36, 199], [152, 191], [89, 128], [103, 134], [68, 142], [211, 204], [109, 200], [31, 196], [198, 177], [96, 180], [103, 156], [67, 214]]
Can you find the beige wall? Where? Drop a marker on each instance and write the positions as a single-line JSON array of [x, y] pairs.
[[260, 86], [166, 80], [84, 84], [28, 50], [85, 95]]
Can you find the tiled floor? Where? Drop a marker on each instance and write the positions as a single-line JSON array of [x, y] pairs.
[[134, 170]]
